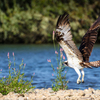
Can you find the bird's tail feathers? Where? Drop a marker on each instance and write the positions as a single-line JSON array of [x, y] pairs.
[[95, 63]]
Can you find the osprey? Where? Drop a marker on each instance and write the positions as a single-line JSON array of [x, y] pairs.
[[78, 59]]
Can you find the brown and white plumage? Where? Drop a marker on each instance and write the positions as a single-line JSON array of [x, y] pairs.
[[77, 58], [89, 39]]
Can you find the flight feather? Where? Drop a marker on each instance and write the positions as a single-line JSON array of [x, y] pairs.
[[64, 37], [89, 39]]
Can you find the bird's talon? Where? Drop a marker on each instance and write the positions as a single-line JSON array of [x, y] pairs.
[[78, 81], [82, 81]]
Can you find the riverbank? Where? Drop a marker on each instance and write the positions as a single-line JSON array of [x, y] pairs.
[[49, 94]]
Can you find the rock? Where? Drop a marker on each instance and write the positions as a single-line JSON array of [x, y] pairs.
[[51, 91], [10, 93], [21, 98], [52, 94], [49, 94], [21, 95], [1, 95], [55, 98], [81, 93], [30, 91], [36, 91]]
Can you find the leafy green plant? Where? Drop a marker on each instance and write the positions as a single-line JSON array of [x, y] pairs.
[[15, 81], [60, 80]]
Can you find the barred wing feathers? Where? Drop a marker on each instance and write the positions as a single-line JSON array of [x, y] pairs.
[[64, 37], [89, 39]]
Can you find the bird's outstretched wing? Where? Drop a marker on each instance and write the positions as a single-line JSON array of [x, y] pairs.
[[64, 37], [89, 39]]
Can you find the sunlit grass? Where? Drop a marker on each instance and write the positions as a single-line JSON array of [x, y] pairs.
[[16, 80]]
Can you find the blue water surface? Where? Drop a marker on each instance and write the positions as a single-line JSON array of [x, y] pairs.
[[35, 57]]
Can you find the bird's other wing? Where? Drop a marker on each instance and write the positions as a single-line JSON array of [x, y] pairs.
[[89, 39], [64, 37]]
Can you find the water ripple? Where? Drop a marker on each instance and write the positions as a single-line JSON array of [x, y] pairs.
[[35, 57]]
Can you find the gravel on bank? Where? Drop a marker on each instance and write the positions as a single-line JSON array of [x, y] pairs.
[[49, 94]]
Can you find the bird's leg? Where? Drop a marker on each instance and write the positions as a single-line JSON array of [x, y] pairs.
[[82, 71], [79, 75]]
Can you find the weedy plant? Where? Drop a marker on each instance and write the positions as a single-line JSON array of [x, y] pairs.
[[15, 81], [59, 73]]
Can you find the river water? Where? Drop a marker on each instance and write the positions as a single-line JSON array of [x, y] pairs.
[[35, 57]]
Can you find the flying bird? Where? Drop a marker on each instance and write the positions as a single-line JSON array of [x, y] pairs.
[[78, 59]]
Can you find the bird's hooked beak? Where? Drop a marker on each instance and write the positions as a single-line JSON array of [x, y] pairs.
[[65, 63]]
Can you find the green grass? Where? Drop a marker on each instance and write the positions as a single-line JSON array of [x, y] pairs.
[[16, 80]]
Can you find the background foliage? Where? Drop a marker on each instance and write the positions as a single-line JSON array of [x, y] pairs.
[[32, 21]]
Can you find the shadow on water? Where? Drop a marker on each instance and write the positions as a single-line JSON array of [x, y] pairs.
[[35, 57]]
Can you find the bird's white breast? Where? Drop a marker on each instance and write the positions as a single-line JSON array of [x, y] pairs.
[[73, 62]]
